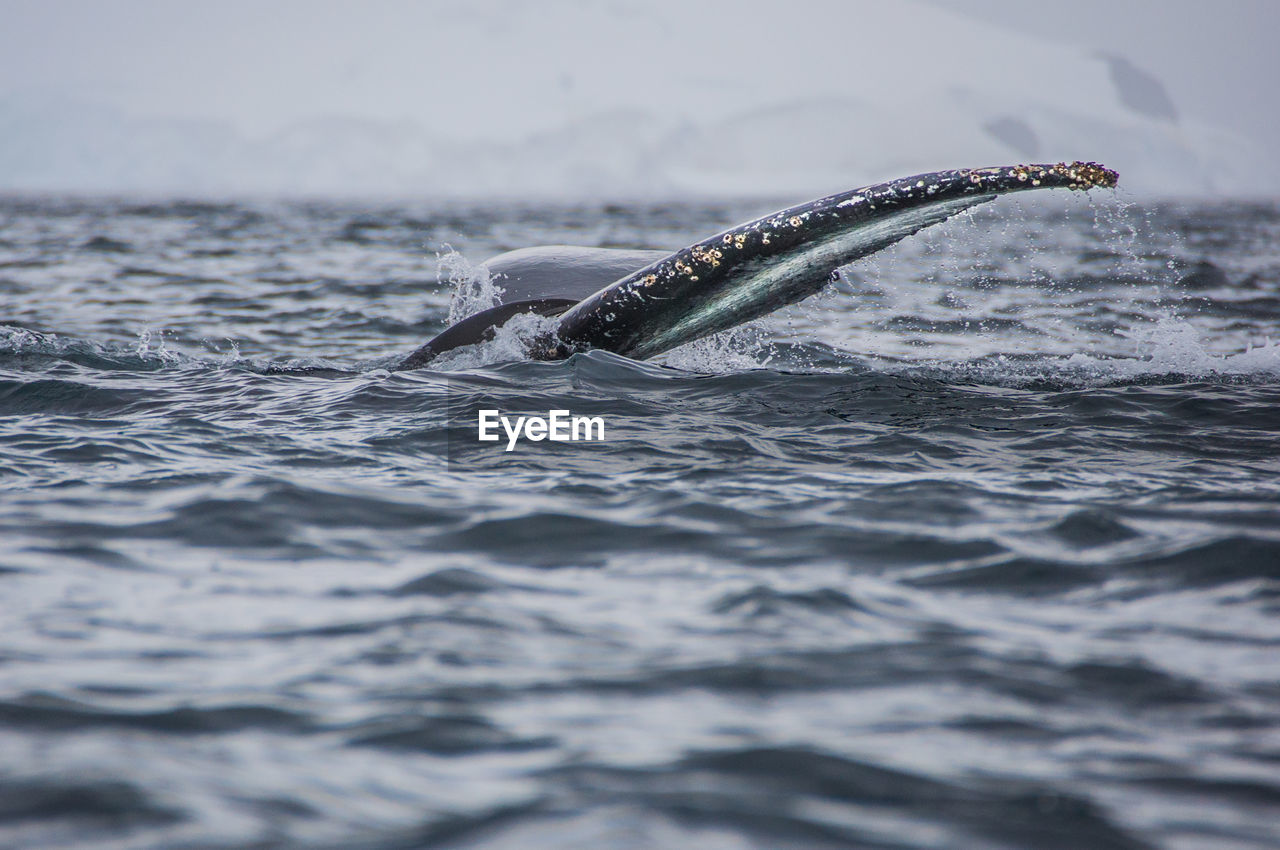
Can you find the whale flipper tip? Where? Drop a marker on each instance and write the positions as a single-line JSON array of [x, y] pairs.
[[1088, 175], [1077, 175]]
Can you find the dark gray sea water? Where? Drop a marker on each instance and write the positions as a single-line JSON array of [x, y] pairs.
[[979, 549]]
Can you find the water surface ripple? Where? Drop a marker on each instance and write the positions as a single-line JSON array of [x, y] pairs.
[[979, 549]]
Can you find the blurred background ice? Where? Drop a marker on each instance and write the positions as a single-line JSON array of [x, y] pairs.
[[628, 98]]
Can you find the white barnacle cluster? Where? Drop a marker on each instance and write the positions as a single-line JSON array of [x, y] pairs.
[[1086, 175], [736, 239], [1078, 175], [708, 255], [1034, 173]]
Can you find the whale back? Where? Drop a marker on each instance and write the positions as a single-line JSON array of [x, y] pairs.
[[546, 280], [563, 271]]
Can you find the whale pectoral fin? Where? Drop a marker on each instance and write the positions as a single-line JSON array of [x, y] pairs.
[[755, 268], [481, 327]]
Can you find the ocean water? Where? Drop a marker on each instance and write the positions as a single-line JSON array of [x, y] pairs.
[[980, 548]]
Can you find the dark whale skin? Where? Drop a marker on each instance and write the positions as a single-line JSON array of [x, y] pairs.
[[755, 268], [739, 274]]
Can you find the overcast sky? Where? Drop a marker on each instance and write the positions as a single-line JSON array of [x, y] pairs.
[[261, 66], [1219, 59]]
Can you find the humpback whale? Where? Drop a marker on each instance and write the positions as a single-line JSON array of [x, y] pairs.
[[643, 303]]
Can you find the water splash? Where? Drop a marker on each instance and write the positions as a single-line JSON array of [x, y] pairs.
[[473, 287], [512, 341], [151, 347], [734, 350], [16, 340], [1170, 348], [1175, 346]]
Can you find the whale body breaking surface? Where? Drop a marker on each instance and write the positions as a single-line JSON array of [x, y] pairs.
[[642, 303]]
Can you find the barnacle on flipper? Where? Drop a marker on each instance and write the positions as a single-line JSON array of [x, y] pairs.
[[1078, 175], [1088, 175]]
